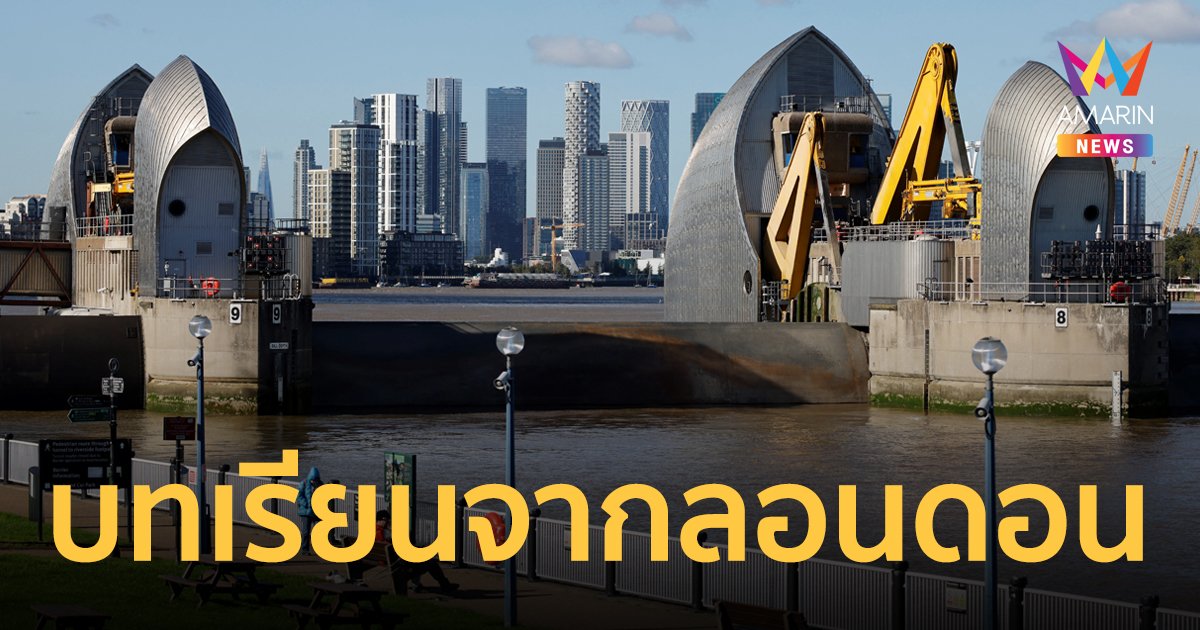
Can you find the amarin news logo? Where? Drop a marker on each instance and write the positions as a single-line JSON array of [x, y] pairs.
[[1127, 75]]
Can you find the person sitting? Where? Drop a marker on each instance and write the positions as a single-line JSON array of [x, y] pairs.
[[383, 533]]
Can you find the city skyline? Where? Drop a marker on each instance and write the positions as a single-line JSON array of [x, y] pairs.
[[544, 45]]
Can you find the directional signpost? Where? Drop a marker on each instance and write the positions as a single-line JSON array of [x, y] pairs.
[[91, 414]]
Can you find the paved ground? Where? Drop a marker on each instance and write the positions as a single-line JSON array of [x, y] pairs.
[[540, 604]]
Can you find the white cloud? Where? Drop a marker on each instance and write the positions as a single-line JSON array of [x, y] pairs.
[[579, 52], [1154, 20], [104, 20], [659, 24]]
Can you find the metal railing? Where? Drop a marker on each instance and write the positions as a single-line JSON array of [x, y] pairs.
[[831, 594], [196, 288], [903, 231], [285, 287], [107, 225], [1152, 291]]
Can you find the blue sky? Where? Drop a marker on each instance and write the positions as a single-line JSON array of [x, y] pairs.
[[289, 69]]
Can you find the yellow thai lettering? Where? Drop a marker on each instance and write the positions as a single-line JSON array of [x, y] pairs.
[[770, 526], [924, 525], [289, 466], [614, 526], [223, 531], [274, 522], [733, 521], [328, 520], [518, 522], [892, 544], [447, 527], [1010, 526], [62, 526], [143, 505], [1130, 547], [577, 503]]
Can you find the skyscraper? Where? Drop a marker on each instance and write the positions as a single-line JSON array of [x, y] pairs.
[[396, 117], [593, 200], [443, 159], [653, 117], [364, 110], [631, 224], [463, 145], [506, 163], [581, 109], [706, 104], [264, 188], [306, 160], [475, 210], [355, 148], [1130, 188], [330, 221], [549, 193]]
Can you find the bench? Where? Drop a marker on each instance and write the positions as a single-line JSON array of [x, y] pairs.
[[343, 604], [381, 555], [733, 616], [66, 616], [234, 578]]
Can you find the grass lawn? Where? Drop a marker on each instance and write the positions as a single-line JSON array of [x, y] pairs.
[[135, 597]]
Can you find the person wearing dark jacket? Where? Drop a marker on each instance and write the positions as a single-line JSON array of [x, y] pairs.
[[304, 509]]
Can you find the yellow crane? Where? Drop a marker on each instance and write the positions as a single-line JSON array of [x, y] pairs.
[[1171, 220], [554, 229], [910, 183]]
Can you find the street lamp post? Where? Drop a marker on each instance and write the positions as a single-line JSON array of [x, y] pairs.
[[200, 326], [509, 342], [989, 356]]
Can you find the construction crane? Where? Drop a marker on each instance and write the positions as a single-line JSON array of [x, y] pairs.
[[910, 182], [554, 229], [1171, 220]]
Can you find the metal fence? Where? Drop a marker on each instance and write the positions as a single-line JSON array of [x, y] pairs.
[[831, 594], [1152, 291]]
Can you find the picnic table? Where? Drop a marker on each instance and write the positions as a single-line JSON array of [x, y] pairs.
[[68, 616], [207, 577], [344, 604]]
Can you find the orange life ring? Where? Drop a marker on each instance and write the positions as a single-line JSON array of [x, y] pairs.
[[1119, 292], [210, 286]]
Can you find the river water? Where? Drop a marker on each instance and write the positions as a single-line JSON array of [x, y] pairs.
[[751, 448]]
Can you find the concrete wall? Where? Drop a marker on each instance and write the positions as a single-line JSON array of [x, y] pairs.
[[43, 360], [399, 365], [231, 355], [921, 351]]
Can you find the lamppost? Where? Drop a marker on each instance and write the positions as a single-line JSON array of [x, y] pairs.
[[510, 342], [989, 356], [200, 326]]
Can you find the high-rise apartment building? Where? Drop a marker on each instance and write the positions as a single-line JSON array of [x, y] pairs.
[[474, 210], [631, 224], [329, 221], [706, 104], [463, 145], [593, 200], [267, 212], [581, 122], [1131, 197], [364, 110], [653, 117], [549, 193], [396, 117], [306, 160], [355, 148], [506, 163], [443, 151]]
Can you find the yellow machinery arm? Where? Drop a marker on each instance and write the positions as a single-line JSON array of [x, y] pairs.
[[1171, 220], [911, 182], [789, 230]]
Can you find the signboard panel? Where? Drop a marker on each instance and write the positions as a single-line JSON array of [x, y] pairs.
[[91, 414], [87, 400], [112, 385], [235, 313], [179, 428], [82, 464], [400, 469], [279, 345], [276, 313], [1061, 316]]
